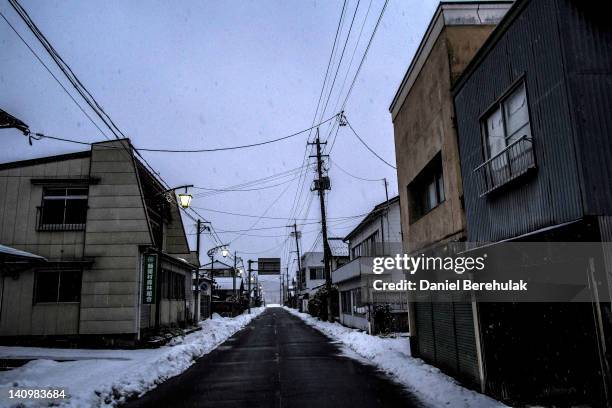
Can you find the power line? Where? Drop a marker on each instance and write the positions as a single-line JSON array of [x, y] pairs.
[[335, 163], [369, 148], [146, 149], [348, 35], [53, 75], [68, 72], [382, 12]]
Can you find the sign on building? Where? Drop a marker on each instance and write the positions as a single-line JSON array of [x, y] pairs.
[[150, 273], [268, 266]]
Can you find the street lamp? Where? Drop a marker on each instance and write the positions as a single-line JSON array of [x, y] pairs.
[[167, 194], [184, 199]]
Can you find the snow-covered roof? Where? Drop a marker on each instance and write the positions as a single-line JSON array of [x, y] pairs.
[[8, 251], [338, 247], [225, 283]]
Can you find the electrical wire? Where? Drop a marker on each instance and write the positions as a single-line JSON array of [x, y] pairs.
[[363, 58], [335, 163], [369, 148]]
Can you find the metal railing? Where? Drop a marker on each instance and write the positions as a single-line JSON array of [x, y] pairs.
[[515, 160], [45, 225]]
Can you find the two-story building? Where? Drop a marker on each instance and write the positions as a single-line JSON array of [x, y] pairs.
[[312, 275], [377, 234], [534, 124], [442, 333], [98, 217]]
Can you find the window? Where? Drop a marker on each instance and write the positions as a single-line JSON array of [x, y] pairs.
[[57, 286], [367, 247], [426, 191], [63, 208], [345, 299], [507, 141], [359, 308], [317, 273], [507, 122], [174, 285]]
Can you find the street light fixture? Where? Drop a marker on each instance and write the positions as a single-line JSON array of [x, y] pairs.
[[184, 199], [159, 197]]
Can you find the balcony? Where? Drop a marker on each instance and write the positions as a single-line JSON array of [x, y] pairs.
[[514, 161], [355, 268]]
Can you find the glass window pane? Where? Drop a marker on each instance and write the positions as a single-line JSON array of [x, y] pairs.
[[46, 286], [55, 192], [77, 191], [495, 133], [70, 286], [440, 184], [517, 113], [76, 211], [53, 211], [432, 199]]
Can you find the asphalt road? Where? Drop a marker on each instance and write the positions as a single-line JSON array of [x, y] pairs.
[[278, 361]]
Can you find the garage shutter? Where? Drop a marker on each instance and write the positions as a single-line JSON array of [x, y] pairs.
[[445, 338]]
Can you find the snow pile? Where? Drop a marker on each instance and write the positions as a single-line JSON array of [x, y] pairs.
[[392, 355], [108, 377]]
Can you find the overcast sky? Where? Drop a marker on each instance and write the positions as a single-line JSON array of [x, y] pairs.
[[218, 73]]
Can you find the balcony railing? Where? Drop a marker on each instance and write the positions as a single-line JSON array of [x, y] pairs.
[[512, 162], [45, 225]]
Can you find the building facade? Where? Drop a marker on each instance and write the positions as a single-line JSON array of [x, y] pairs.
[[429, 175], [97, 217], [378, 234], [534, 135]]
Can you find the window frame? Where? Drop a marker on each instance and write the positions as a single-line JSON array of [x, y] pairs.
[[35, 292], [418, 188], [42, 225], [498, 104]]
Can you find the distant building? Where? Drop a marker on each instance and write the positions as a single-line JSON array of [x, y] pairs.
[[378, 234], [95, 216], [429, 174], [312, 276]]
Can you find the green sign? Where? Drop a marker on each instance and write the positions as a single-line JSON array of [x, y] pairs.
[[150, 281]]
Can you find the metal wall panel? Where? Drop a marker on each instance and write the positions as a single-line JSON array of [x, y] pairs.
[[529, 48]]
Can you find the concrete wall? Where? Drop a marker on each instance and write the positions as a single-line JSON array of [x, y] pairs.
[[424, 127]]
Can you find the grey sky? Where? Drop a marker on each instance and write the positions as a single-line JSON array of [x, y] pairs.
[[207, 74]]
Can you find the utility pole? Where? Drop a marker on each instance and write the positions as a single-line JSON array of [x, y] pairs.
[[386, 190], [234, 276], [297, 246], [249, 284], [322, 184], [287, 284], [196, 307]]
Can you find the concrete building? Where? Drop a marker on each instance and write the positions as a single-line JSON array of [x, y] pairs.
[[429, 173], [378, 234], [97, 216]]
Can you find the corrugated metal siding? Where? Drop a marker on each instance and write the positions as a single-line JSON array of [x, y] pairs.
[[529, 47], [446, 339], [587, 35]]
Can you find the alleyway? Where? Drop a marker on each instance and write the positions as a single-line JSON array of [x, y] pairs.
[[278, 361]]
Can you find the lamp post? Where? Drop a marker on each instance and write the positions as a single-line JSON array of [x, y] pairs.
[[211, 254], [184, 202]]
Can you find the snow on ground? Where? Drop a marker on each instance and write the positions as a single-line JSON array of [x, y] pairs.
[[392, 356], [107, 377]]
